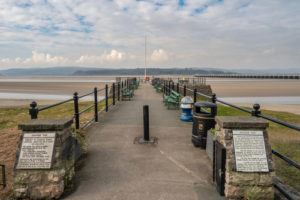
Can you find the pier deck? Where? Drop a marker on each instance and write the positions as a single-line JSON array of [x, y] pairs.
[[116, 168]]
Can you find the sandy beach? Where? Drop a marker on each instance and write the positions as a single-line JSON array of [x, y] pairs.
[[59, 87], [254, 87], [240, 90]]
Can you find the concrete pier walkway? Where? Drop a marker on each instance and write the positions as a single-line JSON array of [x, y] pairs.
[[116, 168]]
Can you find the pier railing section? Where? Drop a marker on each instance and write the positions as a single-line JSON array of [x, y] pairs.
[[3, 178], [99, 95], [250, 76], [168, 86]]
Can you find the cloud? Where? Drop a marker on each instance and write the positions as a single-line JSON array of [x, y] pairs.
[[46, 59], [113, 56], [268, 51], [42, 58], [37, 59], [206, 33], [159, 55]]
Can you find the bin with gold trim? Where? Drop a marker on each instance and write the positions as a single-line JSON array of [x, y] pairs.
[[203, 119]]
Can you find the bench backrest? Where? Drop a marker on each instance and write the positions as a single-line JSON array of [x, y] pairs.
[[125, 90], [174, 95]]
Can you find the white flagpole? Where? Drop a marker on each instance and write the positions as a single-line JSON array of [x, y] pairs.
[[145, 56]]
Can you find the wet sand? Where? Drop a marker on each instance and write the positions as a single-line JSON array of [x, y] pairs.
[[222, 87], [255, 87], [49, 88]]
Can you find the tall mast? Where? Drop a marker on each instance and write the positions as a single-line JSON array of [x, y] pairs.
[[145, 56]]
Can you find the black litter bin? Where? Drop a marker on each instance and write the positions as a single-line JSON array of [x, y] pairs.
[[204, 119]]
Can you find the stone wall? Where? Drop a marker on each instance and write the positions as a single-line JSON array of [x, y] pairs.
[[204, 89], [47, 183], [244, 185]]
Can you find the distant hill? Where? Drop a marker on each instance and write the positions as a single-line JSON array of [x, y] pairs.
[[150, 71], [51, 71], [84, 71]]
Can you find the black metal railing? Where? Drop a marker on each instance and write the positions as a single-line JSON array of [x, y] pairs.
[[255, 112], [3, 176], [115, 95], [250, 76]]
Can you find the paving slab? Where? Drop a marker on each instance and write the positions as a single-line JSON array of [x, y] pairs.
[[117, 167]]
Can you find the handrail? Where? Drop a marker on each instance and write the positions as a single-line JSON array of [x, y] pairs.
[[286, 159], [86, 109], [292, 126], [282, 191], [56, 104], [85, 95], [101, 89], [116, 87], [87, 123], [234, 106]]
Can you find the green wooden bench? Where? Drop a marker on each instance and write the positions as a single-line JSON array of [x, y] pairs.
[[134, 85], [158, 88], [172, 100], [126, 94]]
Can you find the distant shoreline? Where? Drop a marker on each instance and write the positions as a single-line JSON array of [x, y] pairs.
[[65, 86]]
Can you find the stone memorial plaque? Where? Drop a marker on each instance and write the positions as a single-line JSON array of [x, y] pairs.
[[250, 151], [36, 151]]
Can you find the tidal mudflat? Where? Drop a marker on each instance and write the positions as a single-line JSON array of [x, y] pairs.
[[16, 91]]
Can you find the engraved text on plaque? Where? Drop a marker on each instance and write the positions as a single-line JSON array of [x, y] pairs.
[[250, 152], [36, 151]]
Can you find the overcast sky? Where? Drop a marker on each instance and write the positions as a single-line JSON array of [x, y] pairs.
[[231, 34]]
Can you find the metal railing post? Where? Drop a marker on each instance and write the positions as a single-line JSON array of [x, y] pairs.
[[114, 90], [33, 111], [76, 110], [169, 87], [118, 91], [106, 98], [122, 84], [195, 95], [96, 104], [184, 90], [256, 110], [214, 98], [3, 176], [164, 87], [177, 87]]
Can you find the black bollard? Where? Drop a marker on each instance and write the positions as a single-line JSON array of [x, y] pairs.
[[146, 138], [146, 122]]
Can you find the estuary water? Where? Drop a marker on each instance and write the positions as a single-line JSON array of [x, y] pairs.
[[58, 88], [289, 100]]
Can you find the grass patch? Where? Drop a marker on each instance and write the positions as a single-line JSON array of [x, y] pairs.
[[12, 116]]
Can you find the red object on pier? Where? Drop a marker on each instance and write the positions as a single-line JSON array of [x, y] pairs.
[[147, 78]]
